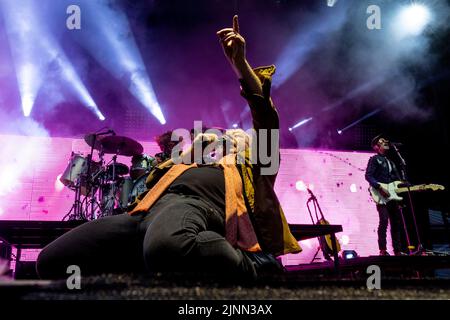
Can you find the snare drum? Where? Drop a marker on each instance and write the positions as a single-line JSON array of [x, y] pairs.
[[76, 171]]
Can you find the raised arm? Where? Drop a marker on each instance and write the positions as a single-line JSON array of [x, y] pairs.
[[255, 83], [233, 45]]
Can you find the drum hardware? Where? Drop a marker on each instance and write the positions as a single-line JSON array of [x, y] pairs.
[[108, 188], [76, 211], [76, 178], [130, 189], [103, 189], [76, 172], [120, 145], [120, 169], [84, 171], [94, 142], [126, 187]]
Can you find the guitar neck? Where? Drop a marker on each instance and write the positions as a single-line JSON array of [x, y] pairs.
[[412, 188]]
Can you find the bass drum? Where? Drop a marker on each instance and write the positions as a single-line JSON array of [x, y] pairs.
[[125, 191], [130, 189]]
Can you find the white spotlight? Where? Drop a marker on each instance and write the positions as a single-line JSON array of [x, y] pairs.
[[331, 3], [413, 19]]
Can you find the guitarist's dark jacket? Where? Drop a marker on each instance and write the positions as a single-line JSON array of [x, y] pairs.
[[378, 171]]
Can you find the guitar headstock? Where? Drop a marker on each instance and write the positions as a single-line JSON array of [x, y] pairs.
[[434, 187]]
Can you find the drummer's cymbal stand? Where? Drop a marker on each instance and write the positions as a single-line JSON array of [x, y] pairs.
[[76, 211], [84, 208], [109, 196]]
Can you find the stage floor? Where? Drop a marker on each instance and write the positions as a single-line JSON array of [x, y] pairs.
[[412, 277]]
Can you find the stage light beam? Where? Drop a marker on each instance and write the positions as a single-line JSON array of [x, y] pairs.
[[71, 76], [30, 58], [301, 123], [141, 88], [34, 49], [354, 123], [115, 48]]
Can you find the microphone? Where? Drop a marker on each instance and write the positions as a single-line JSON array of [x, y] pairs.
[[396, 144]]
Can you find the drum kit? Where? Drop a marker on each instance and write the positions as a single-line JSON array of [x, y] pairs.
[[106, 188]]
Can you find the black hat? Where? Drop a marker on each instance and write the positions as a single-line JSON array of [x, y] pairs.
[[376, 138]]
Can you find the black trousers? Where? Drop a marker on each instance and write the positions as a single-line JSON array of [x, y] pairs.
[[179, 233], [389, 213]]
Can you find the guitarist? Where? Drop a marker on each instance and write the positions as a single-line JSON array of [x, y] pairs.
[[380, 169]]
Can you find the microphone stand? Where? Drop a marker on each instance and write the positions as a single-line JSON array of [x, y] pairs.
[[408, 186], [317, 211]]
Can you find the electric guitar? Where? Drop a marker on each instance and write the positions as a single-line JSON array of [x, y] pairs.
[[394, 190]]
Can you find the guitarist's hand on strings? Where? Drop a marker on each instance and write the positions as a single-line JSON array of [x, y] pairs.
[[385, 193]]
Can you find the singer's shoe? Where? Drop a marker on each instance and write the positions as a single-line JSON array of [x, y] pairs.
[[384, 253], [265, 263]]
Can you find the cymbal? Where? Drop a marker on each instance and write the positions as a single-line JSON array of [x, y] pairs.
[[89, 138], [121, 169], [121, 145]]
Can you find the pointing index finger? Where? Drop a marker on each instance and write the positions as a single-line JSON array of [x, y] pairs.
[[235, 24]]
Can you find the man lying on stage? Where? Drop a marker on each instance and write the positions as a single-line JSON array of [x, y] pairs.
[[223, 218]]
